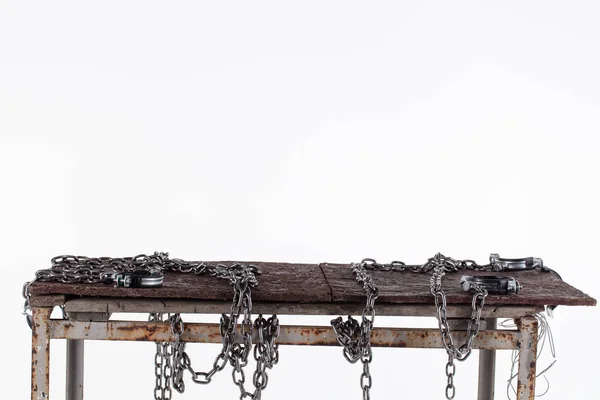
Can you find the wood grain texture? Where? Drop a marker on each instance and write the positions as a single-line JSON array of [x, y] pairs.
[[277, 282], [539, 288], [326, 283]]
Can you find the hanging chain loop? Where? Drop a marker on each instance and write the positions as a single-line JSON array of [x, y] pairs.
[[355, 337], [171, 360]]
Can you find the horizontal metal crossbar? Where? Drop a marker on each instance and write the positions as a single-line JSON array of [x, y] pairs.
[[290, 335]]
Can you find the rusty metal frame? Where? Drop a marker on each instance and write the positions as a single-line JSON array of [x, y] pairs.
[[76, 332], [40, 353]]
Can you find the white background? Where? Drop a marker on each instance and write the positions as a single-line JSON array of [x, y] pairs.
[[307, 132]]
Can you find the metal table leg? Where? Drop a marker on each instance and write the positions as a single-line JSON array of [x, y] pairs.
[[40, 354], [487, 369], [75, 349], [528, 326]]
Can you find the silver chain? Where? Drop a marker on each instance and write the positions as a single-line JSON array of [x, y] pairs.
[[462, 352], [171, 360], [163, 365], [355, 337], [448, 264], [79, 269]]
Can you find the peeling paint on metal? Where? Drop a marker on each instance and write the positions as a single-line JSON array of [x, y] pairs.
[[290, 335]]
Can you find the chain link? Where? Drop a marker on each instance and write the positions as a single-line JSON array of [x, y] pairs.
[[162, 388], [80, 269], [448, 264], [27, 304], [450, 371], [355, 337], [171, 359], [462, 352]]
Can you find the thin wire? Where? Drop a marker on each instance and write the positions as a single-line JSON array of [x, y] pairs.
[[544, 334]]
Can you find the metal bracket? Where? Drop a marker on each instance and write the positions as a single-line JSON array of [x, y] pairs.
[[516, 264], [493, 284], [141, 279]]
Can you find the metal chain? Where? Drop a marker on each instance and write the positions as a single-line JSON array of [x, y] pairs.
[[171, 359], [27, 304], [448, 264], [266, 352], [162, 365], [355, 338], [462, 352], [79, 269], [450, 371]]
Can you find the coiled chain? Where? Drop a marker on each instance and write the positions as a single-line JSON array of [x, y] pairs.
[[80, 269], [171, 359]]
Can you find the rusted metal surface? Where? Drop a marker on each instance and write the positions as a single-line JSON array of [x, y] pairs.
[[40, 353], [290, 335], [487, 369], [528, 326]]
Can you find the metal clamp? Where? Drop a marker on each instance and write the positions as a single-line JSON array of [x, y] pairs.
[[516, 264], [141, 279], [493, 284]]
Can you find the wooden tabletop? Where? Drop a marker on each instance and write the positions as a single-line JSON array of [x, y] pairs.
[[325, 282]]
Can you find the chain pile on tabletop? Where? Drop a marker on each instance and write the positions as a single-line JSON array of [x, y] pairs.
[[355, 337], [171, 359], [79, 269]]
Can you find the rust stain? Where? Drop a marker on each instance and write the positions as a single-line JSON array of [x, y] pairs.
[[138, 332], [215, 336]]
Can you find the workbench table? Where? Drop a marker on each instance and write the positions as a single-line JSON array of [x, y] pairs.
[[293, 289]]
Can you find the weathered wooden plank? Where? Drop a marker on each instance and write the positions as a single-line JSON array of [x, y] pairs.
[[89, 316], [539, 288], [48, 300], [313, 283], [128, 305], [277, 282]]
